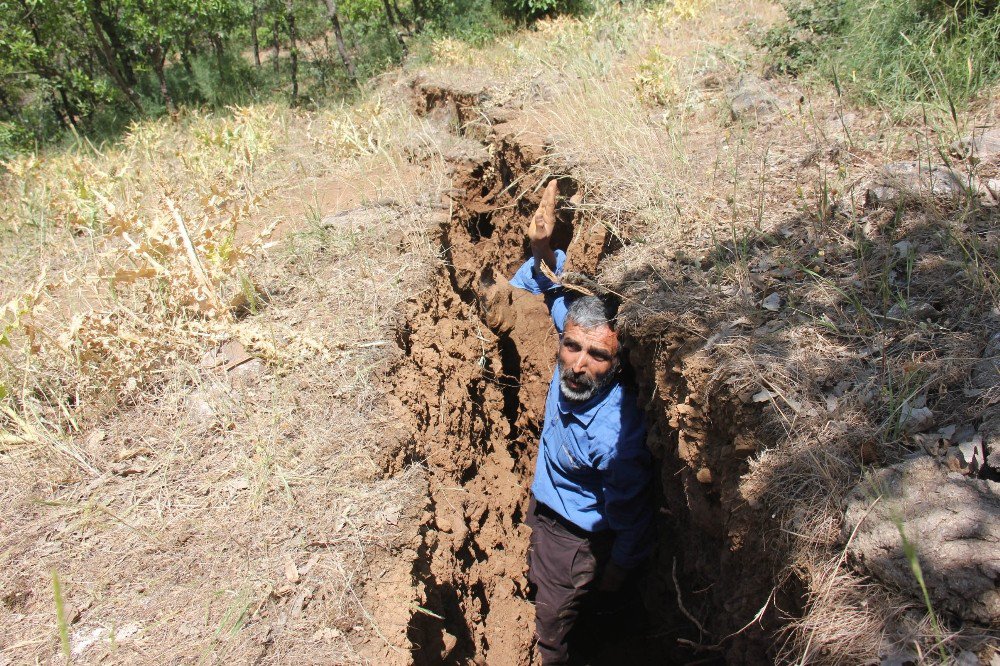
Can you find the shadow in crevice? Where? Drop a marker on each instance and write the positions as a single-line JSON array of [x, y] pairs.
[[431, 629]]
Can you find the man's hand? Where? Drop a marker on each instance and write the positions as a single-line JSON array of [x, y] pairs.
[[612, 579], [541, 225]]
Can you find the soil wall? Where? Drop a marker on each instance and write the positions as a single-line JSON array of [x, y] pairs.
[[472, 397]]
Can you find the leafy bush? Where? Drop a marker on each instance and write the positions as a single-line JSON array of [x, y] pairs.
[[795, 47], [528, 11]]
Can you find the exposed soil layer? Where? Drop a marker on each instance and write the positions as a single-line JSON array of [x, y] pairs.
[[473, 397]]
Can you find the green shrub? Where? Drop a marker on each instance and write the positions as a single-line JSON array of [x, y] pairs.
[[528, 11], [892, 50]]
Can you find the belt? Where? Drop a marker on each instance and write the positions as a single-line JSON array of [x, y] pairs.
[[546, 512]]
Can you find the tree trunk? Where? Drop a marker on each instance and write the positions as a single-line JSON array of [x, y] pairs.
[[331, 11], [401, 17], [293, 49], [388, 13], [186, 58], [159, 56], [110, 62], [418, 12], [276, 42], [254, 22], [110, 29], [390, 23], [219, 48], [61, 107]]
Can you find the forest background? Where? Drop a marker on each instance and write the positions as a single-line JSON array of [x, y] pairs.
[[90, 67]]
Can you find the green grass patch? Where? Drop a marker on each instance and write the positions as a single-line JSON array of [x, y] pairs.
[[892, 51]]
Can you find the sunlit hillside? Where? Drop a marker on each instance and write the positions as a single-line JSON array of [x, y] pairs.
[[254, 407]]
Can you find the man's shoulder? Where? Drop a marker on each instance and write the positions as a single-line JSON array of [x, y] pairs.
[[620, 412]]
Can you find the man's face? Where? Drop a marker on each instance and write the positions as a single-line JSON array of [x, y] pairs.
[[588, 359]]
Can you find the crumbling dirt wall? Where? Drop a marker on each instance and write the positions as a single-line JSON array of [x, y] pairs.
[[472, 398]]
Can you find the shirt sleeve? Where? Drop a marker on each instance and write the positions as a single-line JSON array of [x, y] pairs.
[[531, 279], [625, 475]]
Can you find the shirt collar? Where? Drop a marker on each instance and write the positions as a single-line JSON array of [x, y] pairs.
[[586, 411]]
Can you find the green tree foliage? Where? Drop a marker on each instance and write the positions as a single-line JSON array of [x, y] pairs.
[[528, 11], [91, 66]]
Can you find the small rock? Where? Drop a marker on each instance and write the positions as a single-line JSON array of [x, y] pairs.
[[83, 638], [95, 438], [291, 571], [915, 419], [990, 434], [993, 185], [903, 248], [913, 180], [238, 484], [915, 311], [900, 659], [448, 643], [751, 98], [982, 144], [923, 311], [966, 658], [967, 457], [200, 406], [972, 453], [127, 631], [839, 125], [232, 357], [947, 433], [326, 635], [880, 195], [955, 462], [931, 443], [772, 302], [763, 396], [986, 373], [444, 524]]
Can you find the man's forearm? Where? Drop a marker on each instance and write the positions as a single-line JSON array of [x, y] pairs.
[[542, 251]]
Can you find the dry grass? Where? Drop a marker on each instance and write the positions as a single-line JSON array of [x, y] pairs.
[[117, 291], [192, 512]]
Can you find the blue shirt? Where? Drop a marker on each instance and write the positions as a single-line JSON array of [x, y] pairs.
[[593, 466]]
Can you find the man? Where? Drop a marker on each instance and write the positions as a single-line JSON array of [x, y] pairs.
[[589, 511]]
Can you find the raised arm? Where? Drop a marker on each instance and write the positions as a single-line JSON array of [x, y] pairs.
[[530, 276], [541, 225], [495, 292]]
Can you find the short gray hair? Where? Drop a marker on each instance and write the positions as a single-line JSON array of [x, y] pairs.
[[591, 312]]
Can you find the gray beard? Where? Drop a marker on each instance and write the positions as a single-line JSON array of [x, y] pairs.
[[590, 388]]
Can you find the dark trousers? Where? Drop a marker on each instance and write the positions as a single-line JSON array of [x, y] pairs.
[[564, 563]]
